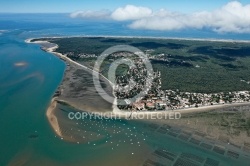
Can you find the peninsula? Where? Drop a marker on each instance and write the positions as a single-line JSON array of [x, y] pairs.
[[77, 88]]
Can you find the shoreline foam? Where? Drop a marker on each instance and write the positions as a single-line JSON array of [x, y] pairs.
[[151, 37]]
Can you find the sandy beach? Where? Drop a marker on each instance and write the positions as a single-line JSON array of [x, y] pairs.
[[153, 37], [92, 102], [52, 118], [117, 111], [72, 65]]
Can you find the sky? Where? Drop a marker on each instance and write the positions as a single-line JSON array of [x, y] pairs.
[[221, 16], [68, 6]]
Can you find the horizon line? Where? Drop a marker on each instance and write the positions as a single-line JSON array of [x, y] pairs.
[[35, 12]]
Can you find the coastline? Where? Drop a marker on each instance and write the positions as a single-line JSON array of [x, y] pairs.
[[152, 37], [65, 58], [184, 123], [183, 111], [52, 118], [52, 50], [116, 110]]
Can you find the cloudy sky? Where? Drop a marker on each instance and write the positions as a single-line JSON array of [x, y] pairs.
[[221, 16]]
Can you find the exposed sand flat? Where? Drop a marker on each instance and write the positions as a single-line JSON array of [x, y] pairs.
[[81, 94], [52, 118], [78, 90], [20, 64], [117, 111], [77, 86]]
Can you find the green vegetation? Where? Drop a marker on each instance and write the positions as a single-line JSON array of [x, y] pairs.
[[232, 121], [248, 123], [193, 66]]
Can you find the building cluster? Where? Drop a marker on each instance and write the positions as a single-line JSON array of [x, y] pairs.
[[170, 100], [170, 60], [139, 80], [155, 98], [74, 56], [248, 82], [162, 57]]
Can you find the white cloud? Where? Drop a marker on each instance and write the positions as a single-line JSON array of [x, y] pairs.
[[233, 17], [230, 18], [130, 12], [90, 14]]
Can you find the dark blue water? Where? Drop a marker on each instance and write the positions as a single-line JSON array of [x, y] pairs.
[[33, 25]]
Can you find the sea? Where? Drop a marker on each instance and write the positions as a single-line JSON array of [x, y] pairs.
[[29, 77]]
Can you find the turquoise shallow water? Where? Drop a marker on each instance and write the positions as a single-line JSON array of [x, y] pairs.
[[28, 79], [25, 92]]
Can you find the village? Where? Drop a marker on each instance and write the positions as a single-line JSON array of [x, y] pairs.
[[171, 100], [156, 98]]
